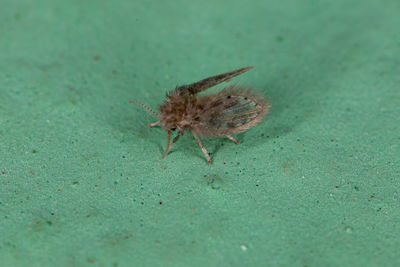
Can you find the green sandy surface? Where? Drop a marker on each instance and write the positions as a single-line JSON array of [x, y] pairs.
[[315, 184]]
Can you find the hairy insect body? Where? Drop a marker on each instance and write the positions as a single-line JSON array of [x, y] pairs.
[[177, 112], [233, 110]]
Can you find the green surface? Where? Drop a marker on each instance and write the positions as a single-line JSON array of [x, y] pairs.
[[315, 184]]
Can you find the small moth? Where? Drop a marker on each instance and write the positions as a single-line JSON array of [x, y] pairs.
[[233, 110]]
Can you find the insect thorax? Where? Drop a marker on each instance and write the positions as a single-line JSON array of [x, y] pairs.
[[176, 112]]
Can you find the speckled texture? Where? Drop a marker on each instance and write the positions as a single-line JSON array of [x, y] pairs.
[[81, 179]]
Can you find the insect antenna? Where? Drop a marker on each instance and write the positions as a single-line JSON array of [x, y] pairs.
[[145, 107]]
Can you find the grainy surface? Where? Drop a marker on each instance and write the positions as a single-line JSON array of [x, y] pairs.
[[81, 180]]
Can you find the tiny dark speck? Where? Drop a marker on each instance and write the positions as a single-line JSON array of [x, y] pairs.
[[17, 16], [160, 202], [96, 58]]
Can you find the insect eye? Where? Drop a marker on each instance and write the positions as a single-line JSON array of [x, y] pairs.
[[173, 129]]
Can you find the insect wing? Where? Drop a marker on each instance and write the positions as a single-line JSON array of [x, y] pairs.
[[231, 111], [206, 83]]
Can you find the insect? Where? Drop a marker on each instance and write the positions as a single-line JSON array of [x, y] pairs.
[[233, 110]]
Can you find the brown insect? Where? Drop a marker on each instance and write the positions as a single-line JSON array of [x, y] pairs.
[[233, 110]]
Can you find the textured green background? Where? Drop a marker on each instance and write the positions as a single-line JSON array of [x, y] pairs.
[[316, 184]]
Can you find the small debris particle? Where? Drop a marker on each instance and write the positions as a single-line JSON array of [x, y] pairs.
[[348, 229], [96, 58], [3, 173], [243, 247], [75, 182], [214, 181], [332, 139], [160, 202]]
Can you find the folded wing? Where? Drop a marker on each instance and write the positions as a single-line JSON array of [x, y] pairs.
[[230, 111], [206, 83]]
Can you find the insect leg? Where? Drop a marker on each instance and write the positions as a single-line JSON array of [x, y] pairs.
[[168, 145], [154, 124], [233, 139], [176, 138], [202, 147]]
